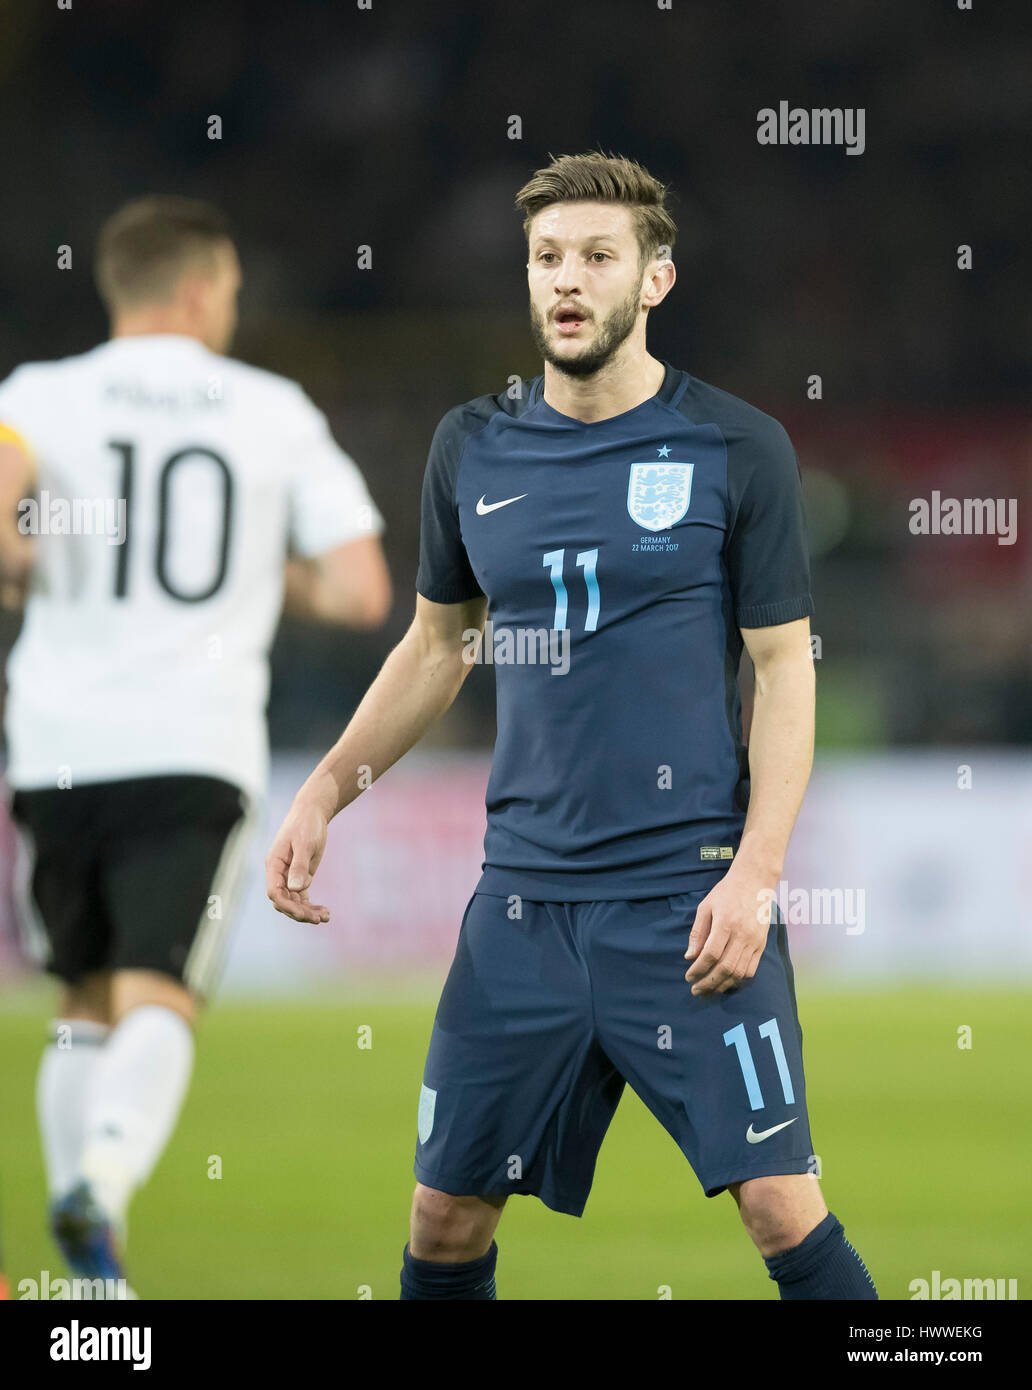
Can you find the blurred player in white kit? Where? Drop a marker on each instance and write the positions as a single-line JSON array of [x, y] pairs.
[[158, 503]]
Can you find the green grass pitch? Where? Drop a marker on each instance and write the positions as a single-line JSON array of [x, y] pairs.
[[925, 1152]]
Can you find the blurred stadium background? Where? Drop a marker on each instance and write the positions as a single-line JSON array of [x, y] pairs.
[[388, 127]]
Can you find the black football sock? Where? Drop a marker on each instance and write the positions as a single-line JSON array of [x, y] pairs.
[[431, 1279], [824, 1265]]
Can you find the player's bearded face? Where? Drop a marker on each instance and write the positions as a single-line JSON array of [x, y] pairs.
[[602, 336]]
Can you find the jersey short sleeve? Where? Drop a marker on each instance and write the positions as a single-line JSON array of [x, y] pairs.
[[18, 410], [445, 574], [330, 504], [766, 551]]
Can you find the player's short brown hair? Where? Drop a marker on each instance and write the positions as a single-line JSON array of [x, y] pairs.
[[146, 246], [600, 178]]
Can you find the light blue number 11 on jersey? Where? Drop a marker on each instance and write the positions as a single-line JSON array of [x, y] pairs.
[[589, 559]]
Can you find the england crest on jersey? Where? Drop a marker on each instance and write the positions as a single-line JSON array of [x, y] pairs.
[[658, 493], [427, 1106]]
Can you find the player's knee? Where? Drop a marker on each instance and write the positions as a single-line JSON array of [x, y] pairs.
[[449, 1228], [133, 989], [89, 998], [779, 1212]]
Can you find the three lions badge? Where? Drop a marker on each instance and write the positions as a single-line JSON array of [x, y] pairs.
[[427, 1106], [658, 494]]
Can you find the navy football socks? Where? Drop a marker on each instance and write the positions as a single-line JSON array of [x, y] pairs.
[[431, 1279], [824, 1265]]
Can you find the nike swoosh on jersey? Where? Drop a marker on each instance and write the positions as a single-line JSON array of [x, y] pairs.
[[754, 1138], [484, 507]]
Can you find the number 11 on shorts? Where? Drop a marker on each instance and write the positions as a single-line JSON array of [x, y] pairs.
[[736, 1038]]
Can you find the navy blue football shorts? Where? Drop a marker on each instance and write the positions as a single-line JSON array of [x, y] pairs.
[[542, 1021]]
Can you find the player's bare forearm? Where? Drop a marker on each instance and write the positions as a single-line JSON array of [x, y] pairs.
[[417, 683], [300, 590], [350, 585], [780, 743], [731, 924]]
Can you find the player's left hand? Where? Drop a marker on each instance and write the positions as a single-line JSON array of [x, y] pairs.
[[730, 932]]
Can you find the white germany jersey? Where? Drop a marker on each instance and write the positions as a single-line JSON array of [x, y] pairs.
[[172, 482]]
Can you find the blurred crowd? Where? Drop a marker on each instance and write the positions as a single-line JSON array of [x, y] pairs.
[[389, 127]]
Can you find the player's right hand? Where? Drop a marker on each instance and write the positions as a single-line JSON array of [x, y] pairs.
[[291, 863]]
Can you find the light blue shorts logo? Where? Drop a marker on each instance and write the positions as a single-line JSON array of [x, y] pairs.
[[427, 1105]]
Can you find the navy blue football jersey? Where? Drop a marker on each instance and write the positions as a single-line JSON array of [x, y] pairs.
[[620, 558]]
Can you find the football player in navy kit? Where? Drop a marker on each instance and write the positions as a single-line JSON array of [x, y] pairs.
[[621, 931]]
